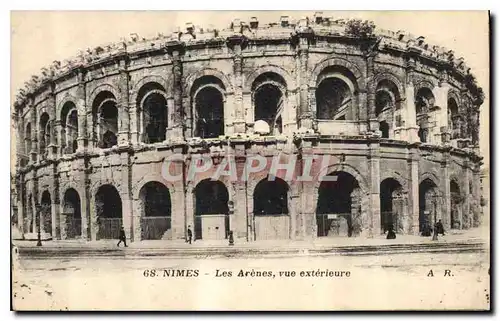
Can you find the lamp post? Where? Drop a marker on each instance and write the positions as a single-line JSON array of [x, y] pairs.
[[39, 237], [435, 233]]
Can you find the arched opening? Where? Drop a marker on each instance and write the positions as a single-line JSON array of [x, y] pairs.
[[211, 210], [387, 106], [105, 120], [207, 96], [424, 100], [384, 129], [428, 205], [108, 207], [72, 214], [454, 119], [69, 128], [44, 136], [270, 209], [424, 103], [456, 205], [338, 211], [156, 212], [383, 102], [46, 213], [153, 106], [333, 100], [27, 139], [391, 206], [269, 90]]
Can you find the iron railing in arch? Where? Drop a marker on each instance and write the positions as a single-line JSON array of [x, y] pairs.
[[73, 228], [156, 228], [109, 228]]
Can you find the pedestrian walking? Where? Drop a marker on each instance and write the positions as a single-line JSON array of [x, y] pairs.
[[189, 235], [123, 238]]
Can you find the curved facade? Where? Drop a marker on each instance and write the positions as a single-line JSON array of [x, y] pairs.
[[394, 120]]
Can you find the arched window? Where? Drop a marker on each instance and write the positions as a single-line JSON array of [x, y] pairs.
[[105, 120], [333, 99], [387, 106], [44, 138], [269, 98], [27, 139], [454, 118], [69, 130], [208, 99], [424, 100], [154, 113]]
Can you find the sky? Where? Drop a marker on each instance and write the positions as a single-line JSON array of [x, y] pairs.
[[40, 37]]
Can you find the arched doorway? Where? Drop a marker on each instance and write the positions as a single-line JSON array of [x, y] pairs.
[[456, 205], [46, 213], [108, 205], [72, 214], [391, 206], [270, 209], [156, 212], [428, 204], [211, 210], [338, 210]]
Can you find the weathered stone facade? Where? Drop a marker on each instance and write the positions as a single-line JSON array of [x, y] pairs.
[[398, 117]]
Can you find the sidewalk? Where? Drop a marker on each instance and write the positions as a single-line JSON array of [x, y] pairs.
[[467, 240]]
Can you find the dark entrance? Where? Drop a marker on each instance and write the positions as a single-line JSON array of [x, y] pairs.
[[109, 212]]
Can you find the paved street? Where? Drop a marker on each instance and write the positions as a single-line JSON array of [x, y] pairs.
[[374, 282]]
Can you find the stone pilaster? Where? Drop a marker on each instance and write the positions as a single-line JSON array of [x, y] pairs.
[[237, 43], [441, 114], [52, 144], [190, 207], [305, 113], [445, 214], [413, 192], [123, 108], [175, 50], [410, 113], [88, 229], [374, 165], [178, 214], [126, 196], [465, 218], [370, 95], [240, 199], [82, 114], [34, 134], [56, 224]]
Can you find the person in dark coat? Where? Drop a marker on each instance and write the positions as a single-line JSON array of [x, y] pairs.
[[390, 233], [123, 238], [189, 235], [439, 228], [426, 230]]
